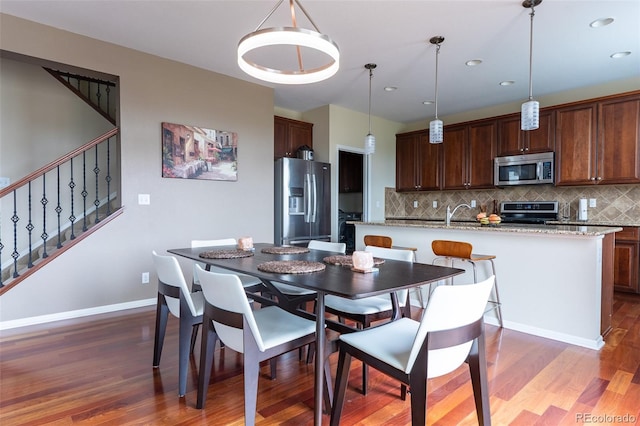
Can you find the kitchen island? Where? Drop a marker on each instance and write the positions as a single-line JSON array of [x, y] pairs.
[[555, 281]]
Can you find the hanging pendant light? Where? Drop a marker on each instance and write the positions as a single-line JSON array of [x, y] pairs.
[[436, 128], [289, 36], [530, 111], [370, 140]]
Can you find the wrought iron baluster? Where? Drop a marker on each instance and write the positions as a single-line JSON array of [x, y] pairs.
[[99, 95], [29, 228], [59, 209], [96, 171], [84, 192], [15, 219], [44, 202], [108, 177], [72, 218]]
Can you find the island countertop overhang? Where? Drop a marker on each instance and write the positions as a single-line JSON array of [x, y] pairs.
[[553, 229]]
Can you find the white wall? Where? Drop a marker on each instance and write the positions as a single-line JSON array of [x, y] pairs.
[[105, 268]]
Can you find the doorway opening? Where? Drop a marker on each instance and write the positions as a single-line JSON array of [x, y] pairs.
[[351, 195]]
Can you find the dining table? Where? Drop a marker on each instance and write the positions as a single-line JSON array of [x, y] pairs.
[[334, 279]]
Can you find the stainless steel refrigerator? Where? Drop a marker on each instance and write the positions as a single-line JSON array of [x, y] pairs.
[[302, 201]]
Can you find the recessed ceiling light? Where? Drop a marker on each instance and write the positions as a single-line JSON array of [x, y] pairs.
[[427, 102], [603, 22], [473, 62], [390, 88], [620, 54], [507, 83]]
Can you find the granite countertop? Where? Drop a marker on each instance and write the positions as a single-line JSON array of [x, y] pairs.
[[557, 229]]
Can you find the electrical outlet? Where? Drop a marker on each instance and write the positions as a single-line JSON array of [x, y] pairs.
[[415, 204], [145, 278], [435, 204], [592, 202], [473, 203]]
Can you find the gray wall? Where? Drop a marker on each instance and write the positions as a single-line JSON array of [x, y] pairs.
[[104, 270]]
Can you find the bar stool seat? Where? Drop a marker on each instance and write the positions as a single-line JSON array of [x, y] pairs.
[[452, 251]]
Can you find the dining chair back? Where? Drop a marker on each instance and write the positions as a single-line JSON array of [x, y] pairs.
[[378, 241], [369, 309], [327, 246], [175, 297], [248, 282], [450, 332], [259, 335]]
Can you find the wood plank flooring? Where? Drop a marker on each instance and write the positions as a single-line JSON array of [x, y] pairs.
[[97, 371]]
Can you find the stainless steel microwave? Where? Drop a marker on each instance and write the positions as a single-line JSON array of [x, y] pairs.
[[527, 169]]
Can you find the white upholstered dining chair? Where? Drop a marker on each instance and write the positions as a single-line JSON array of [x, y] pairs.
[[450, 332], [259, 334], [247, 280], [369, 309], [175, 297]]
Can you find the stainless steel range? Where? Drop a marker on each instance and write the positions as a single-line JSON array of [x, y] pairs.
[[528, 211]]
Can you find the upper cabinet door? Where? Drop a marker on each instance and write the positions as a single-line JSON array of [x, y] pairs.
[[289, 135], [454, 157], [619, 140], [514, 141], [481, 152], [576, 145], [429, 176]]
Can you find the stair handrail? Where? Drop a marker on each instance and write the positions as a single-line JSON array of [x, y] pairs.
[[46, 168]]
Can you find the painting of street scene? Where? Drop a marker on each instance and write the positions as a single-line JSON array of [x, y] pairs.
[[191, 152]]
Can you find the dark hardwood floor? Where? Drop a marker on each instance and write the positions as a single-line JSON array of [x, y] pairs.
[[98, 371]]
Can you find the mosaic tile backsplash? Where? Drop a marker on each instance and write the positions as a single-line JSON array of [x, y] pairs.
[[615, 204]]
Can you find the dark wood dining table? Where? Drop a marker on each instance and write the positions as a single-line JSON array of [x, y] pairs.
[[338, 280]]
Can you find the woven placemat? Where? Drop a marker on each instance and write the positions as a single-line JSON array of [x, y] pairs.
[[291, 266], [225, 254], [285, 250], [347, 260]]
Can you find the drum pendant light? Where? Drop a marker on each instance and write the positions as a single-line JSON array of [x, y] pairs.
[[289, 36], [436, 130], [370, 140], [530, 111]]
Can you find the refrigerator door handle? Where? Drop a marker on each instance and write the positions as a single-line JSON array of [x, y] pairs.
[[314, 203], [307, 197]]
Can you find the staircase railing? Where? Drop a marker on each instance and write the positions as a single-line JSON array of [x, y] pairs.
[[83, 203]]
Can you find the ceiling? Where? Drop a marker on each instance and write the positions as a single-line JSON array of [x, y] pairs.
[[567, 52]]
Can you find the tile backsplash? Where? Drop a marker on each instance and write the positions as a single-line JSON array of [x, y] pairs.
[[615, 204]]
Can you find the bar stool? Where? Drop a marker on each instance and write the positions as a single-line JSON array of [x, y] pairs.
[[462, 251]]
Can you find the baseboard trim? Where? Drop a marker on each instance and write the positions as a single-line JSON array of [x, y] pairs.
[[43, 319]]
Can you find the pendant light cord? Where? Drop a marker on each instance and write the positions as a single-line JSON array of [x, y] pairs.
[[437, 54], [370, 78], [531, 51]]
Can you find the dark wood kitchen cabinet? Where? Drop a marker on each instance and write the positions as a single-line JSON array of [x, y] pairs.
[[627, 260], [467, 157], [514, 141], [289, 135], [350, 172], [599, 142], [417, 162]]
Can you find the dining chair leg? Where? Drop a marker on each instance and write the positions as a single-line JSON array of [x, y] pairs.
[[162, 317], [342, 378], [194, 337], [478, 370], [184, 346], [251, 372], [273, 363], [418, 387], [207, 347]]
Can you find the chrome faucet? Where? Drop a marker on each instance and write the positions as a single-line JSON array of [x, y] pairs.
[[450, 213]]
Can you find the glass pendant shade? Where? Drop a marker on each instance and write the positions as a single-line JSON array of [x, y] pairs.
[[530, 115], [436, 131], [369, 144]]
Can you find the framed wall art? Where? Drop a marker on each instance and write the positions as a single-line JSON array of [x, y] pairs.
[[191, 152]]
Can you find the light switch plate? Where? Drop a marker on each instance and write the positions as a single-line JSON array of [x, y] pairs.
[[435, 204], [592, 202], [4, 182], [144, 199], [415, 204]]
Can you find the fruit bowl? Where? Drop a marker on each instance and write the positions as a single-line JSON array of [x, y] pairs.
[[488, 220]]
